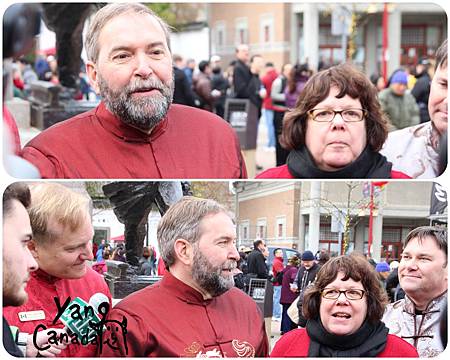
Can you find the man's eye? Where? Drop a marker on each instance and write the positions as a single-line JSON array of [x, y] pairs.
[[157, 53], [121, 56]]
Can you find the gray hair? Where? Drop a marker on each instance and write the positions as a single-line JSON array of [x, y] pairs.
[[441, 55], [109, 12], [182, 220], [437, 233]]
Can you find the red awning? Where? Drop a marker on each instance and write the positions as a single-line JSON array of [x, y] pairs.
[[118, 238]]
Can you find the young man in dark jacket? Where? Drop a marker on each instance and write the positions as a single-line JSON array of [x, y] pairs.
[[305, 277]]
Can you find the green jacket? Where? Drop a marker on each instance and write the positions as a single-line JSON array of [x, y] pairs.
[[402, 111]]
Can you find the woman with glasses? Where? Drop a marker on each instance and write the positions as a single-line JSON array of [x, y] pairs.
[[336, 130], [343, 309]]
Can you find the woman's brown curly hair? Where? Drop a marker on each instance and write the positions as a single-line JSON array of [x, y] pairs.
[[354, 267], [350, 81]]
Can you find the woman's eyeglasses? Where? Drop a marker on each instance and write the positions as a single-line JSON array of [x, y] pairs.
[[327, 115], [351, 294]]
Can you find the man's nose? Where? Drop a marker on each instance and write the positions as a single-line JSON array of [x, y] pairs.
[[87, 254], [234, 254], [143, 66], [32, 264]]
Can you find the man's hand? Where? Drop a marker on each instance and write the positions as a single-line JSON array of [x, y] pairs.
[[42, 338]]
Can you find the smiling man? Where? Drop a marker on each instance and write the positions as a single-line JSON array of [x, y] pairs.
[[61, 246], [423, 276], [195, 310], [415, 150], [135, 132]]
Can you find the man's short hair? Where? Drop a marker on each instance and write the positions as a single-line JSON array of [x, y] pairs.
[[275, 250], [55, 203], [256, 243], [182, 221], [110, 11], [441, 55], [240, 47], [437, 233], [252, 59], [203, 64], [16, 191], [176, 58]]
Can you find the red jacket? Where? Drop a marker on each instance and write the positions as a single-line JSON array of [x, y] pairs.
[[295, 343], [277, 267], [267, 81], [171, 319], [189, 143], [10, 126], [282, 172], [42, 289]]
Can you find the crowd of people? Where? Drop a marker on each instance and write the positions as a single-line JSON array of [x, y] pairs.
[[331, 305], [366, 129], [350, 305], [161, 117]]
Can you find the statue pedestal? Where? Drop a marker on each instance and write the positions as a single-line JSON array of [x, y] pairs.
[[51, 104], [121, 283]]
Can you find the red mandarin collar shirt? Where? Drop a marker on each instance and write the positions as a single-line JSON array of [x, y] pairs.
[[171, 319], [189, 143]]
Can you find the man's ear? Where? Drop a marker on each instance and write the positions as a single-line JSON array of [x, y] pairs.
[[92, 73], [184, 251], [33, 248]]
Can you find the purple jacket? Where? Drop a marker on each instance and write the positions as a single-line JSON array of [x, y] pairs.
[[287, 296]]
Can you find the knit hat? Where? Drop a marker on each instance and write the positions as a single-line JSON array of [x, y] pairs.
[[383, 267], [399, 77], [308, 256]]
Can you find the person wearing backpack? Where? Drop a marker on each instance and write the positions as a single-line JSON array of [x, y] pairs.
[[305, 277], [277, 271]]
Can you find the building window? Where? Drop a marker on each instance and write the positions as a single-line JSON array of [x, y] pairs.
[[280, 227], [220, 36], [266, 29], [241, 31], [261, 229], [245, 226]]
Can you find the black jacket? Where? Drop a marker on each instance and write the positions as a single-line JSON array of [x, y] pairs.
[[256, 263], [305, 278], [421, 91], [8, 341], [219, 82], [241, 80], [183, 93]]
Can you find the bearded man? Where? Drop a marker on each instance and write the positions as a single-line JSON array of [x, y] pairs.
[[195, 310], [135, 132]]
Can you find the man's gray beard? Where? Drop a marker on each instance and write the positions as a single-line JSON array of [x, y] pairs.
[[209, 277], [142, 112]]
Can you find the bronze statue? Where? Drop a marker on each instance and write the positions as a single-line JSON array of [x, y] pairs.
[[132, 202]]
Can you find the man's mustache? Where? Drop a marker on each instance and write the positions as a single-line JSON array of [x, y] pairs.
[[151, 84]]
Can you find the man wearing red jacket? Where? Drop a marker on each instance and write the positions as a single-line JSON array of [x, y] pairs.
[[195, 310], [277, 270], [61, 245], [136, 131], [268, 108]]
